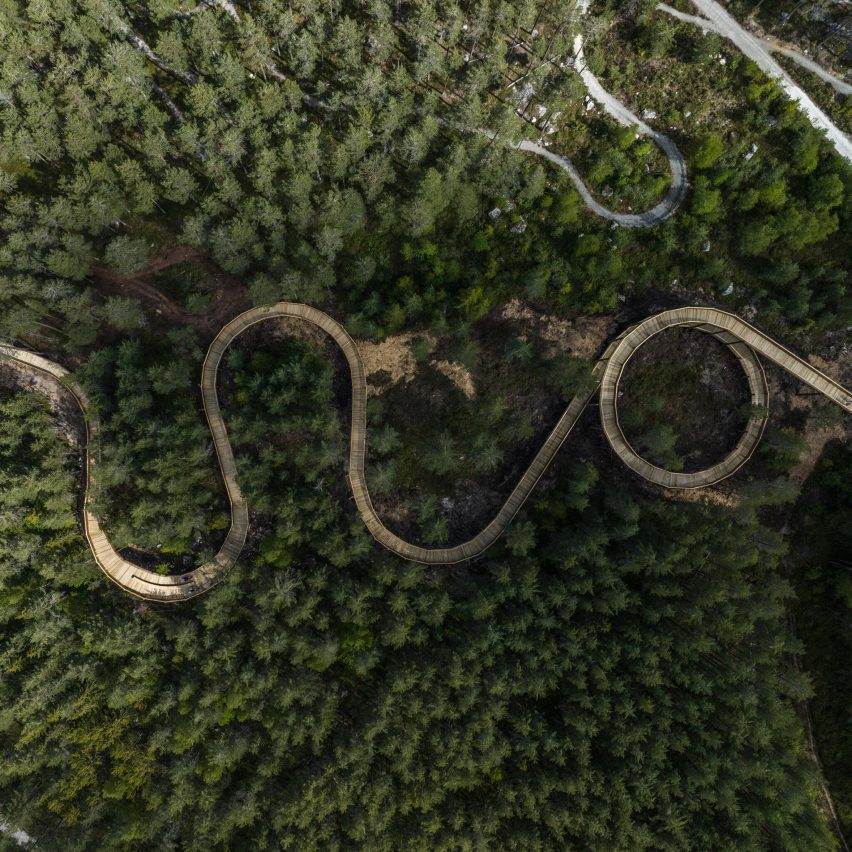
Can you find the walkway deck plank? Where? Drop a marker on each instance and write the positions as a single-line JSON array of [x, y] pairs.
[[744, 340]]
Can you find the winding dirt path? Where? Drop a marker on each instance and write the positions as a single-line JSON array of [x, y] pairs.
[[743, 339], [624, 116]]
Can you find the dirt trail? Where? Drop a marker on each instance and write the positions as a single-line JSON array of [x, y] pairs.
[[229, 298], [624, 116]]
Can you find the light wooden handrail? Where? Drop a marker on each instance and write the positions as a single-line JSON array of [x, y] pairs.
[[744, 340]]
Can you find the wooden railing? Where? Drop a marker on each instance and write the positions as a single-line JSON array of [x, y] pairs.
[[744, 340]]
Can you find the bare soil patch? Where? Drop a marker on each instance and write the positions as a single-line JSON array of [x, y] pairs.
[[582, 336], [459, 375], [816, 437], [389, 362], [285, 327], [392, 361]]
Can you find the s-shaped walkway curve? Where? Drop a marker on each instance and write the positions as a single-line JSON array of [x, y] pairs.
[[745, 341]]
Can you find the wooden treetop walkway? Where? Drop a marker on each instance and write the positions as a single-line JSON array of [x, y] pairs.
[[744, 340]]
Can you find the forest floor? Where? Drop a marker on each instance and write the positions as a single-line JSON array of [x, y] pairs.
[[440, 394], [695, 385], [816, 435]]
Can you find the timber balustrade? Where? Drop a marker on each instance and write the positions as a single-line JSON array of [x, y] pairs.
[[744, 340]]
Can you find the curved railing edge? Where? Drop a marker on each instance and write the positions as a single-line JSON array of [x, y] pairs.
[[149, 585]]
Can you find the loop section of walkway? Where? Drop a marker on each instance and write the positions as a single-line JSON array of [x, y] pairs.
[[629, 343], [744, 340]]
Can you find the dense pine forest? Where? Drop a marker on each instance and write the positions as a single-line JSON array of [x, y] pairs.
[[625, 668], [820, 566]]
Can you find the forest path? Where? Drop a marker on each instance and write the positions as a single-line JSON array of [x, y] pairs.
[[759, 51], [227, 300], [617, 110], [744, 340]]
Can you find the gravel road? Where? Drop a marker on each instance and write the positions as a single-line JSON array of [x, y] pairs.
[[759, 51]]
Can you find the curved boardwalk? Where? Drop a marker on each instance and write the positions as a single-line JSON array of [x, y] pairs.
[[743, 339]]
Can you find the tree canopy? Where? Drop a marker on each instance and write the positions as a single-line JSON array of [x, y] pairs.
[[618, 672]]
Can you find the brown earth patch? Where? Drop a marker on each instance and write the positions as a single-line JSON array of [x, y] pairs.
[[583, 336], [391, 362], [707, 496], [459, 375], [392, 357], [817, 433]]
